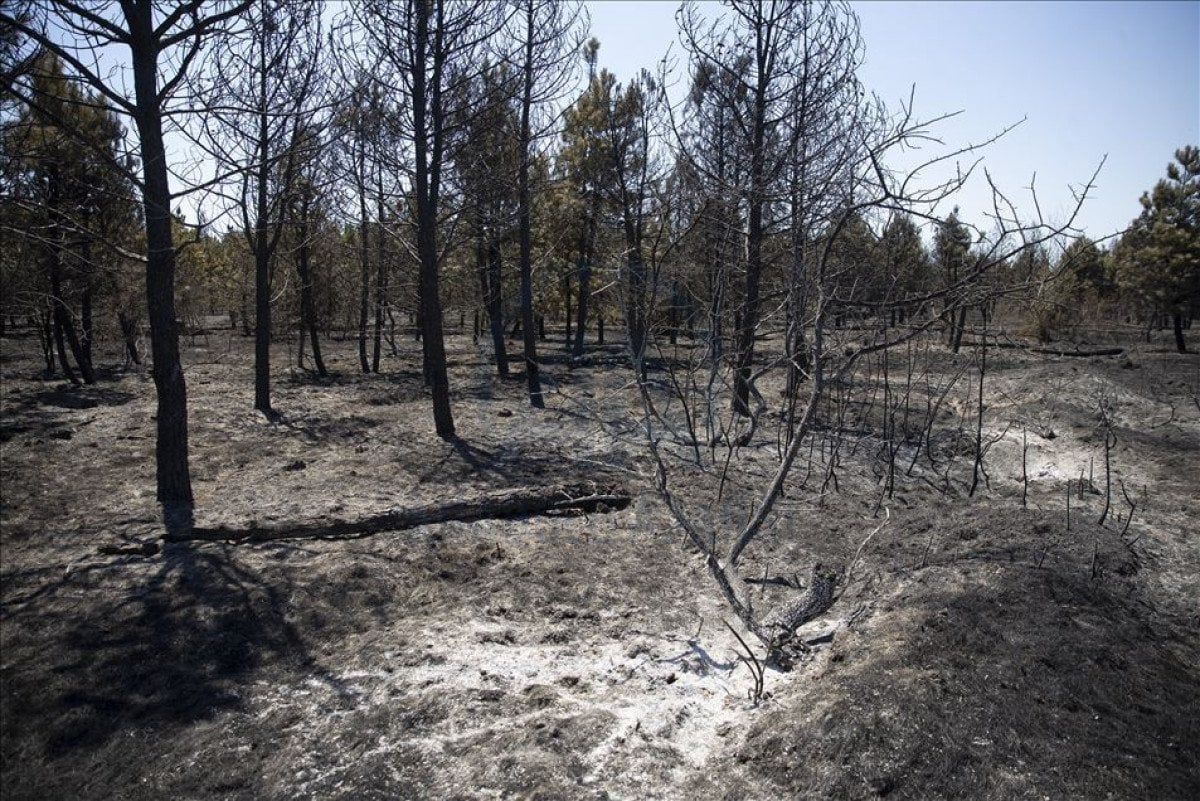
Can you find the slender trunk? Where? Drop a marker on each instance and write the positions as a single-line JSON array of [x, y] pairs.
[[1180, 344], [64, 326], [529, 334], [958, 328], [364, 296], [62, 348], [86, 324], [673, 322], [586, 248], [46, 337], [129, 335], [173, 478], [380, 281], [262, 252], [262, 325], [567, 310], [495, 306], [427, 111], [308, 316], [754, 236], [637, 310]]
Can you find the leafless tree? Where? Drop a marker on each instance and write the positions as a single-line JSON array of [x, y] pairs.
[[162, 45], [832, 169], [429, 50], [546, 35], [261, 87]]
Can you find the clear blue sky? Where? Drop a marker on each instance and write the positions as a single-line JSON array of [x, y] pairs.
[[1092, 79]]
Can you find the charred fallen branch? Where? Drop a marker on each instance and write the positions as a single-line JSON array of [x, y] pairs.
[[522, 502]]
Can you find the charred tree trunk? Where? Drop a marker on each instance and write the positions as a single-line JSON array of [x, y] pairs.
[[1180, 344], [959, 325], [308, 315], [495, 306], [64, 327], [587, 246], [533, 382], [46, 338], [508, 503], [262, 325], [364, 265], [567, 310], [86, 324], [87, 332], [63, 361], [381, 282], [173, 476], [129, 335], [428, 152]]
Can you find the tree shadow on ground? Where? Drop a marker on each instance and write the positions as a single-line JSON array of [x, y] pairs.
[[160, 654]]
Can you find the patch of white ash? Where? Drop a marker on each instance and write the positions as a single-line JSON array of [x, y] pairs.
[[672, 702]]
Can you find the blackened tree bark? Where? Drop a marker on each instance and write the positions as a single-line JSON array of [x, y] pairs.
[[364, 261], [587, 249], [428, 74], [548, 35], [430, 50], [533, 382], [171, 447], [494, 271], [262, 84], [630, 118], [148, 31], [486, 161], [381, 278], [308, 314]]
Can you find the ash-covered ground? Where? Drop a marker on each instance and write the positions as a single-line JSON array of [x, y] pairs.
[[982, 649]]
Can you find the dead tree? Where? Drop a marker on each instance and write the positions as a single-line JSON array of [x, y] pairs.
[[832, 283], [430, 49], [161, 42], [262, 83], [546, 35]]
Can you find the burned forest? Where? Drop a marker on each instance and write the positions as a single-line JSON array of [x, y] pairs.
[[396, 401]]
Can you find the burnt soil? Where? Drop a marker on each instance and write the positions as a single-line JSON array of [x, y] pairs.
[[983, 649]]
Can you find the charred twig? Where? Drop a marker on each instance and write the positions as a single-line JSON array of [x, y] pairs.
[[756, 668]]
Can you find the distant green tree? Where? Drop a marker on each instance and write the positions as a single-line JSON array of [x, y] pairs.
[[905, 259], [952, 254], [1158, 259], [1079, 276], [584, 162], [69, 194], [854, 260]]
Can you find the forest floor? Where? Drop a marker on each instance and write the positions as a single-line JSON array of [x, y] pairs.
[[983, 649]]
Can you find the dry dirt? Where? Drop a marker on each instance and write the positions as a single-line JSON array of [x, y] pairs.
[[983, 649]]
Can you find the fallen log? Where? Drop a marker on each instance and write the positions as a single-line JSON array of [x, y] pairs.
[[520, 502]]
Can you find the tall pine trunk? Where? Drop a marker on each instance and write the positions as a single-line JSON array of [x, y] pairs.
[[427, 110], [528, 332], [587, 247], [364, 297], [172, 474], [308, 315]]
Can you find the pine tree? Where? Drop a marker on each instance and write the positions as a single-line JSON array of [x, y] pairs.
[[1158, 259]]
